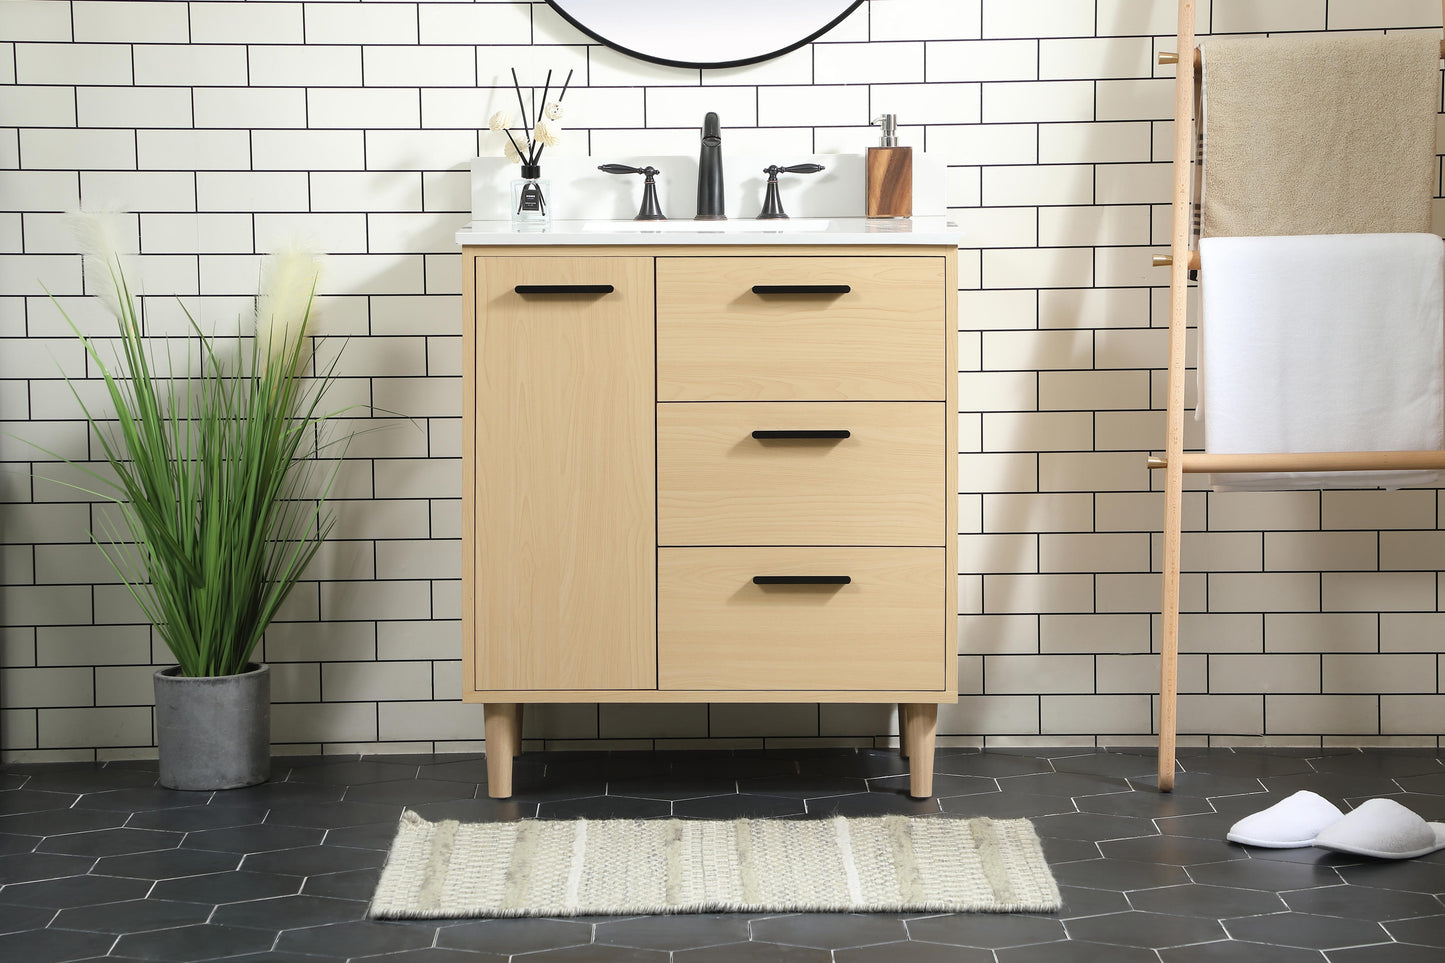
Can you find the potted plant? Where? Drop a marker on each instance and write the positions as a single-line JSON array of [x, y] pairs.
[[221, 503]]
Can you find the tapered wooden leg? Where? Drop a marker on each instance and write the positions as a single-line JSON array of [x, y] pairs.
[[503, 721], [902, 730], [920, 724]]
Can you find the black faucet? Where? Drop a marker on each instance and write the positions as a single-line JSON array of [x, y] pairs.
[[709, 172]]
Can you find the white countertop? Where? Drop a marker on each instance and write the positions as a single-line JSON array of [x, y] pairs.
[[799, 230]]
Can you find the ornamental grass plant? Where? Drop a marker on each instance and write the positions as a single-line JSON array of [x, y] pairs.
[[220, 492]]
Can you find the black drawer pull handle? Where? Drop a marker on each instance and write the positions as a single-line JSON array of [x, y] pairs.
[[564, 289], [768, 433], [801, 288], [802, 579]]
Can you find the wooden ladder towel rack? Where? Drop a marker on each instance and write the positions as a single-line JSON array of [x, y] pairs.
[[1175, 462]]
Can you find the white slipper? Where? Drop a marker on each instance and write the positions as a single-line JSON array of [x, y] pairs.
[[1291, 823], [1384, 829]]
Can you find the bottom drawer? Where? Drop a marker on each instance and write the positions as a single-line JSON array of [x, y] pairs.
[[882, 630]]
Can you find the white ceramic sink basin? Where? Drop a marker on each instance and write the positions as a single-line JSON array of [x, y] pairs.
[[790, 225]]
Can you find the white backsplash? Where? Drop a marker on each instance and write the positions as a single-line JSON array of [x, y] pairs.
[[581, 192]]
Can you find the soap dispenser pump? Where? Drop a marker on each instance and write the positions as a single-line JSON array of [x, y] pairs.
[[890, 173]]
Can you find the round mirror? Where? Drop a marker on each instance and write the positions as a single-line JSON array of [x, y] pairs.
[[704, 34]]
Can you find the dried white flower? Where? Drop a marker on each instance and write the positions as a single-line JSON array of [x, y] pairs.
[[509, 150], [98, 235], [546, 134], [500, 121], [288, 281], [553, 111]]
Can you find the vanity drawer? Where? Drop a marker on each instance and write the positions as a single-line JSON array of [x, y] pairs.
[[718, 484], [883, 630], [801, 328]]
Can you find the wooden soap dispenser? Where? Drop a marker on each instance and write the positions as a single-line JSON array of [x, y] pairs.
[[890, 173]]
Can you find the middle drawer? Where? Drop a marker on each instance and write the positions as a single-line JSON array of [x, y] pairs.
[[800, 481]]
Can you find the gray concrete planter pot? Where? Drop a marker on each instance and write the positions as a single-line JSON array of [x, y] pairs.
[[214, 732]]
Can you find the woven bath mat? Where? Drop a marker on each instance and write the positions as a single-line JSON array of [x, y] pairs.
[[632, 866]]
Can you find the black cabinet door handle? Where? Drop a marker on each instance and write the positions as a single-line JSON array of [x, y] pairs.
[[802, 579], [768, 433], [801, 288], [564, 289]]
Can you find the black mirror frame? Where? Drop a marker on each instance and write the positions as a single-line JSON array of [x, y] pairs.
[[554, 4]]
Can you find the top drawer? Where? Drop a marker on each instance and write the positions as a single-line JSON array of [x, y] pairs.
[[722, 336]]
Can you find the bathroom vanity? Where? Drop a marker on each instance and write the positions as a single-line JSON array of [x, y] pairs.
[[710, 463]]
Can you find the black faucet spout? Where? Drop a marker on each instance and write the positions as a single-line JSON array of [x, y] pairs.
[[709, 172]]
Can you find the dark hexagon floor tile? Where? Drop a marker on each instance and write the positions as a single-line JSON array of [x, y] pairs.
[[604, 807], [168, 864], [199, 942], [1063, 784], [133, 916], [1092, 826], [730, 765], [110, 842], [253, 839], [1424, 931], [943, 785], [32, 801], [12, 844], [473, 771], [868, 763], [1082, 901], [1060, 850], [284, 794], [334, 815], [313, 860], [1411, 876], [985, 930], [753, 953], [604, 765], [59, 822], [354, 773], [829, 931], [593, 953], [804, 786], [51, 946], [529, 788], [481, 810], [1151, 930], [1332, 785], [227, 887], [1248, 764], [990, 764], [359, 884], [672, 787], [429, 954], [409, 792], [194, 818], [1385, 953], [1264, 874], [357, 938], [684, 932], [873, 804], [290, 912], [17, 919], [1118, 875], [1009, 805], [1305, 930], [1149, 805], [1077, 951], [141, 800], [12, 780], [1214, 902], [1308, 856], [86, 777], [913, 952], [1172, 850], [1234, 951], [1387, 762], [373, 836], [75, 891], [1363, 903], [28, 867], [1202, 784], [514, 935], [1106, 764], [1433, 783], [739, 806], [1205, 825]]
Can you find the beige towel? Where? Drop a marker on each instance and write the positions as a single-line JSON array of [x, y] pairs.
[[1319, 134]]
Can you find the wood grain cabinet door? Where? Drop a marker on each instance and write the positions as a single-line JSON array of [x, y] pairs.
[[562, 582]]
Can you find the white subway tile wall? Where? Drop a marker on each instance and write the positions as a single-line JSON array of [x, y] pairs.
[[229, 127]]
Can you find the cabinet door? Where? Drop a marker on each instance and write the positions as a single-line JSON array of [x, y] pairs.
[[564, 573]]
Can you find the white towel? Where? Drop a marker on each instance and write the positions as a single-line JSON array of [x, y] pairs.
[[1322, 343]]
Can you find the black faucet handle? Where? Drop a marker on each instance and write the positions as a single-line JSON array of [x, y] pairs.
[[650, 210], [624, 169], [794, 169]]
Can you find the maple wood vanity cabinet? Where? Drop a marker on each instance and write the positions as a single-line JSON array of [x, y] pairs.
[[709, 471]]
